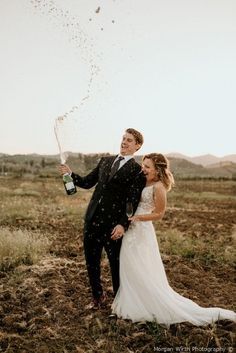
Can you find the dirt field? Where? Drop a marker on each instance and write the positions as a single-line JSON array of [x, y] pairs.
[[43, 306]]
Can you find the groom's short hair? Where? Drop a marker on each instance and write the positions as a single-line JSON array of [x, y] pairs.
[[137, 135]]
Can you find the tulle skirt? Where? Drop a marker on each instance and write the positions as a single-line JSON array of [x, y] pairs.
[[145, 294]]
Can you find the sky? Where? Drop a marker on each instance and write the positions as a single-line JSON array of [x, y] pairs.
[[164, 67]]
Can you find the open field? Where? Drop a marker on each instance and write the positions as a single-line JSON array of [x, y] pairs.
[[43, 296]]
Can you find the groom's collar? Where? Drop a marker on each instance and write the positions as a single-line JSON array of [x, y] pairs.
[[126, 158]]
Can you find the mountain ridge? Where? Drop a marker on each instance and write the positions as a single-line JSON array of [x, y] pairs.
[[205, 160], [47, 165]]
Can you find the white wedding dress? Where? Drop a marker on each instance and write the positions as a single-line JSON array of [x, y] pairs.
[[144, 293]]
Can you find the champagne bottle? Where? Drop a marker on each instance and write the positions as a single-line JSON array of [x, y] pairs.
[[69, 184]]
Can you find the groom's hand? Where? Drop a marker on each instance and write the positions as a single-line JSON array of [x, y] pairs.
[[117, 232], [64, 168]]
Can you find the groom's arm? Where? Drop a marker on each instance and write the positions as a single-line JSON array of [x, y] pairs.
[[136, 189], [133, 196], [87, 181]]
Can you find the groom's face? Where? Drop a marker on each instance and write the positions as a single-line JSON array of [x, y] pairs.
[[128, 145]]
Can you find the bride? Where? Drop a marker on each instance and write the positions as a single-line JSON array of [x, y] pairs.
[[144, 293]]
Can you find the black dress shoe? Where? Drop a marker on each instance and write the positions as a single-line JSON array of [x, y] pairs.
[[99, 303], [112, 316], [102, 301]]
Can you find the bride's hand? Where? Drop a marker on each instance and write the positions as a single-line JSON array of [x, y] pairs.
[[134, 219]]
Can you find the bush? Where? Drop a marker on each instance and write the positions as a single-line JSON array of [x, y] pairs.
[[21, 247]]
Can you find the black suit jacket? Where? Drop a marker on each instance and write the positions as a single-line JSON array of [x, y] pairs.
[[110, 197]]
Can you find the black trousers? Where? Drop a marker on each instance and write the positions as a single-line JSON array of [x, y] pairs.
[[97, 235]]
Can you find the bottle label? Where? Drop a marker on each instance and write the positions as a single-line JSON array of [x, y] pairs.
[[69, 185]]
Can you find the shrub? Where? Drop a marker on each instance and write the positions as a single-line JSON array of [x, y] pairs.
[[21, 247]]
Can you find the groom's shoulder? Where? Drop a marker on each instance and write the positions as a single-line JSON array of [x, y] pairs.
[[136, 163], [107, 157], [135, 166], [106, 160]]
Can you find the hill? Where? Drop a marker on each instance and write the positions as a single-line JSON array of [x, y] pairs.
[[223, 169], [46, 166], [205, 160]]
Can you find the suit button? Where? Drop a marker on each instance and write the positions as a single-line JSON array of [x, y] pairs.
[[99, 201]]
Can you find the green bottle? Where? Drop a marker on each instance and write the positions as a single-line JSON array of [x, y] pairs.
[[69, 184]]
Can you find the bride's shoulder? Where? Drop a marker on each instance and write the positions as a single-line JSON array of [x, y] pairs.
[[159, 188], [159, 192], [159, 185]]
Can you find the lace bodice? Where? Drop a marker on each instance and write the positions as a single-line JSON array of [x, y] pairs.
[[146, 203]]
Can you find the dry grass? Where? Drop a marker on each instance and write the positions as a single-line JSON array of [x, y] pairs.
[[43, 306], [21, 246], [174, 242]]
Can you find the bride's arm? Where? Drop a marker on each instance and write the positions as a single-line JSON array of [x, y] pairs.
[[160, 206]]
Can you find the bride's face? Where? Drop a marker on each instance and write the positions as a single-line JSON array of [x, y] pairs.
[[149, 170]]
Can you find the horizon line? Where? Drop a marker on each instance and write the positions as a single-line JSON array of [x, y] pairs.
[[87, 153]]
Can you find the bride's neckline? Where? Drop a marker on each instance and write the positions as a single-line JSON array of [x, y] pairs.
[[147, 186]]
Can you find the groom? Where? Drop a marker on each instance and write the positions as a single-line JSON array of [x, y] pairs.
[[117, 179]]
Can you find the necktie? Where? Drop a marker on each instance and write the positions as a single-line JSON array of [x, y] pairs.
[[115, 167]]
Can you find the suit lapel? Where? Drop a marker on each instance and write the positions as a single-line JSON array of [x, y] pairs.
[[107, 167], [124, 168]]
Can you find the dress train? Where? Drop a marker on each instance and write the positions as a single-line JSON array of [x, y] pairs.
[[144, 293]]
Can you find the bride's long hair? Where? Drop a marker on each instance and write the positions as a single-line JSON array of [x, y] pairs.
[[162, 166]]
